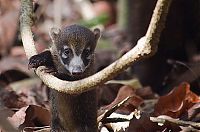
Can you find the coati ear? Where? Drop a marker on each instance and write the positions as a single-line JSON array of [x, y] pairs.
[[54, 33], [97, 33]]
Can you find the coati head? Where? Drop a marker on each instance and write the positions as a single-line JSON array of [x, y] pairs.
[[74, 47]]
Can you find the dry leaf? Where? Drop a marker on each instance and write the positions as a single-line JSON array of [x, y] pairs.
[[176, 102], [133, 103], [31, 116]]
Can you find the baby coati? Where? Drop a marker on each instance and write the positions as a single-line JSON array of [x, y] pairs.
[[71, 57]]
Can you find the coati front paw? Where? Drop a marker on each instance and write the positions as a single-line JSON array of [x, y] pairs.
[[36, 61], [50, 70]]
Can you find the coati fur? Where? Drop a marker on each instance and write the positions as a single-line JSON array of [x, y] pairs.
[[71, 57]]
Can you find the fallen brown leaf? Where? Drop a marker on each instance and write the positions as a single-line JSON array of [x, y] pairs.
[[31, 116], [177, 102], [133, 103]]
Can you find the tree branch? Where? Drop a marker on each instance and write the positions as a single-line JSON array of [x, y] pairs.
[[145, 47], [26, 21]]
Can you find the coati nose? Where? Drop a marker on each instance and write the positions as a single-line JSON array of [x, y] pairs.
[[77, 70]]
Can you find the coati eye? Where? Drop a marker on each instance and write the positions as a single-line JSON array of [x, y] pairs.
[[67, 51], [86, 52]]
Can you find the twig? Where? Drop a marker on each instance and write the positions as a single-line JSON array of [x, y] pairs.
[[37, 129], [145, 47], [107, 113], [162, 119]]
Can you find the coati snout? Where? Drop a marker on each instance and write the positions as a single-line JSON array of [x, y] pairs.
[[75, 45]]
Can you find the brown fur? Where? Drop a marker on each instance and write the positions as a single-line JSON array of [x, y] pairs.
[[73, 113]]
